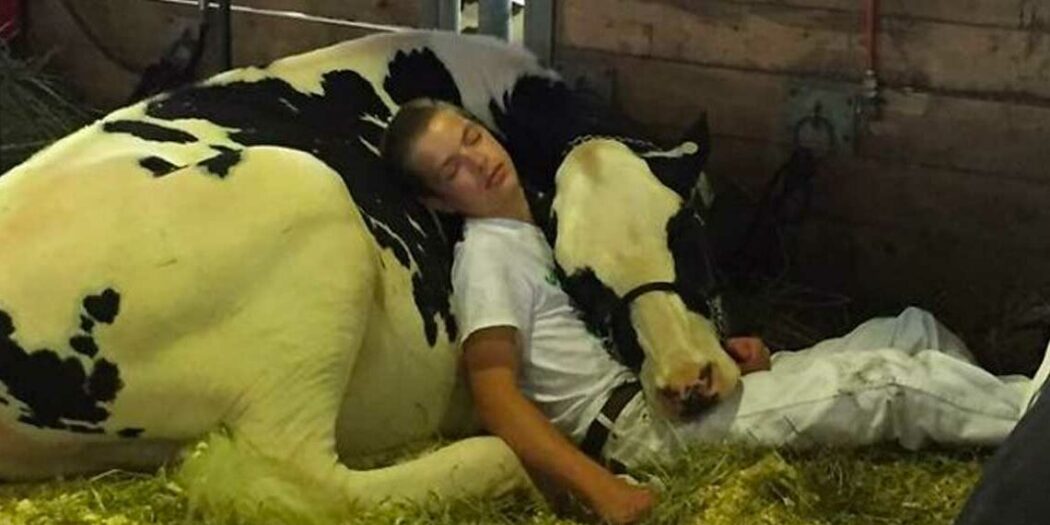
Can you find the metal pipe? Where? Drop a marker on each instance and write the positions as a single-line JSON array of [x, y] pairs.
[[449, 14], [539, 29], [494, 18], [871, 32], [225, 35], [294, 15]]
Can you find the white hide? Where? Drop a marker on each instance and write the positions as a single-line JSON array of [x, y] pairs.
[[607, 196], [233, 314]]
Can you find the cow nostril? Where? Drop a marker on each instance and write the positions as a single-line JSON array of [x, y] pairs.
[[696, 402], [705, 381]]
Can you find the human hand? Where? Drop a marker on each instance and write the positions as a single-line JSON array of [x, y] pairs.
[[624, 503], [750, 353]]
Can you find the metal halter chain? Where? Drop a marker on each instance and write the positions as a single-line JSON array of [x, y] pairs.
[[712, 296], [625, 140]]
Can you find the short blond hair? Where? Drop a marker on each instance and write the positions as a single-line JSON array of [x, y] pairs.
[[403, 132]]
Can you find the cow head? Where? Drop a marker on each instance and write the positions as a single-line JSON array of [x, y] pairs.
[[635, 258], [625, 220]]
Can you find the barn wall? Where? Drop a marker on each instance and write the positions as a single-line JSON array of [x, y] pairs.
[[944, 202], [135, 33]]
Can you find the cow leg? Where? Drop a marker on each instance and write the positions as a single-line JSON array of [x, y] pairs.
[[300, 337], [277, 460]]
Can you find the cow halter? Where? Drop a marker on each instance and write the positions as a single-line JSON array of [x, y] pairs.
[[618, 320]]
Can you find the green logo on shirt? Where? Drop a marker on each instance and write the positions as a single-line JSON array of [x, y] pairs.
[[552, 279]]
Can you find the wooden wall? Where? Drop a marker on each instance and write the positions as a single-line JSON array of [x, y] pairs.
[[946, 200], [136, 33], [943, 203]]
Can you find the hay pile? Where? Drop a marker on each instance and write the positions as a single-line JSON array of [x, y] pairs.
[[714, 485], [35, 109]]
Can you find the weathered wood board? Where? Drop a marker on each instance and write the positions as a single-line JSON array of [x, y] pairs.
[[138, 32], [927, 53]]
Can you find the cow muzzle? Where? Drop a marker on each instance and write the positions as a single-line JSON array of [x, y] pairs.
[[694, 398]]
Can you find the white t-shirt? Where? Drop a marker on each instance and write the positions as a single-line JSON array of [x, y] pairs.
[[503, 275]]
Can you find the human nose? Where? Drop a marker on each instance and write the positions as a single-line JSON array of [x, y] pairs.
[[478, 161]]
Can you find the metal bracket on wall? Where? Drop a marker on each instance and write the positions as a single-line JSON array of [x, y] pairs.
[[539, 29], [822, 116]]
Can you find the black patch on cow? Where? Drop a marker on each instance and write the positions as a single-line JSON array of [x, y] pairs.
[[86, 324], [694, 270], [4, 401], [420, 73], [158, 166], [540, 117], [84, 345], [220, 164], [7, 326], [148, 131], [104, 382], [61, 393], [596, 304], [335, 126], [131, 432], [699, 276], [103, 307]]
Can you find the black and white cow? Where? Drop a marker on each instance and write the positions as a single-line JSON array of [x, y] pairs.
[[228, 260]]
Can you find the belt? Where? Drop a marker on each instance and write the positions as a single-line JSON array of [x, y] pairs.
[[597, 434]]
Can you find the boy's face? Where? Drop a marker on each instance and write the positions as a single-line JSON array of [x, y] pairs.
[[466, 168]]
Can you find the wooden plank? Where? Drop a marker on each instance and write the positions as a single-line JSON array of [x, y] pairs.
[[964, 246], [967, 247], [962, 205], [99, 80], [394, 12], [139, 33], [995, 61], [975, 289], [996, 137], [1018, 14]]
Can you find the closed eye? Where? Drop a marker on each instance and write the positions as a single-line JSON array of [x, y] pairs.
[[471, 135]]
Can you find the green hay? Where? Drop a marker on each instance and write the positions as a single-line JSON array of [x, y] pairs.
[[712, 485]]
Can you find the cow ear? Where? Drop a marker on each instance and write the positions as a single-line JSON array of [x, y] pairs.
[[699, 134], [679, 167]]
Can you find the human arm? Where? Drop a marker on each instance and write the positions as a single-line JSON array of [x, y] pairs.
[[750, 353], [492, 359]]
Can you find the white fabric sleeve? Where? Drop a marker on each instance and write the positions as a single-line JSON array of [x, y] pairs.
[[487, 291]]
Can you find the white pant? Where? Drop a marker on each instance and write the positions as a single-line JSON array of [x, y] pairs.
[[906, 378]]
